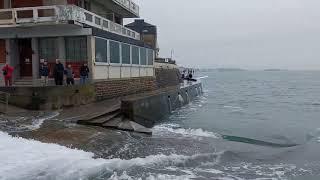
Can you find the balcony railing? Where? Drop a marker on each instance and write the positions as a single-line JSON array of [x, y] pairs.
[[61, 14], [129, 5]]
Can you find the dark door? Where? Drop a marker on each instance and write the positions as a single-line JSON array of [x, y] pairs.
[[25, 51]]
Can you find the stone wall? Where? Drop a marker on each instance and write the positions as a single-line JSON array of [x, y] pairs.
[[55, 97], [167, 77], [116, 88], [49, 97]]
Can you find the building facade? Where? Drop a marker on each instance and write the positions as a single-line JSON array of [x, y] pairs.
[[75, 32]]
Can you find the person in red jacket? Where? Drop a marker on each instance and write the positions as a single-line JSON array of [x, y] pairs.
[[7, 72]]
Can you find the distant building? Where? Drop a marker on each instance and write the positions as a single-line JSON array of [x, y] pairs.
[[148, 32], [75, 32]]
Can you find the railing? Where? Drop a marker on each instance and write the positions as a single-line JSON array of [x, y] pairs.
[[130, 5], [4, 101], [61, 14]]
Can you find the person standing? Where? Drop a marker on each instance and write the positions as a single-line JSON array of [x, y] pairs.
[[58, 73], [84, 73], [7, 71], [70, 75], [44, 73]]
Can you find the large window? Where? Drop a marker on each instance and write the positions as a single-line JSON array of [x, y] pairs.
[[135, 55], [101, 50], [76, 48], [125, 49], [114, 52], [48, 49], [150, 57], [143, 56]]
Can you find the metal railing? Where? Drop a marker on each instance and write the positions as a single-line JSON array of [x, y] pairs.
[[4, 102], [129, 5], [61, 14]]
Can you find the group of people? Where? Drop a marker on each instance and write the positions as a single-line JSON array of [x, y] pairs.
[[59, 72], [187, 73]]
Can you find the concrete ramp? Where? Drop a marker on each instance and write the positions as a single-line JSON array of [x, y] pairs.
[[111, 118], [128, 125]]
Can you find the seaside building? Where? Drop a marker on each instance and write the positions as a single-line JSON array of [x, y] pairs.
[[75, 32], [148, 33]]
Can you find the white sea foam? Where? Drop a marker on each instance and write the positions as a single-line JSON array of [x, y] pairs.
[[125, 176], [170, 177], [234, 108], [29, 159], [37, 122], [168, 128], [26, 122], [203, 77]]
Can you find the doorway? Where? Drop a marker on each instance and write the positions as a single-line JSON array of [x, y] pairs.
[[25, 56]]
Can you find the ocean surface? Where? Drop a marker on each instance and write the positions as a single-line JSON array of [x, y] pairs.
[[262, 125]]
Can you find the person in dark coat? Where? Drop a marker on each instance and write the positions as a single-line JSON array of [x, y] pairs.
[[84, 73], [44, 73], [58, 73]]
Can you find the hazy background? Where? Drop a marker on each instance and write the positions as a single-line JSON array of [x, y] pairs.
[[251, 34]]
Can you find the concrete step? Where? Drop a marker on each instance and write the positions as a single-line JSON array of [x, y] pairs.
[[113, 123], [23, 82], [107, 111], [103, 119]]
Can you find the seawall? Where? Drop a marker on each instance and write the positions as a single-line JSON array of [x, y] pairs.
[[148, 109], [57, 97]]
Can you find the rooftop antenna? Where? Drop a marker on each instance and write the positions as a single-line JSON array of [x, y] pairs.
[[172, 52]]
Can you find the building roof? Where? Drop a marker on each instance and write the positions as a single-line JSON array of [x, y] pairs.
[[140, 22], [140, 26]]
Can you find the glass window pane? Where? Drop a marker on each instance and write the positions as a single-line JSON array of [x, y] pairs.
[[150, 57], [76, 48], [101, 50], [114, 52], [135, 55], [47, 49], [125, 53], [143, 56]]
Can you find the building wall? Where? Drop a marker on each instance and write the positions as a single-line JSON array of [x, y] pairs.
[[150, 39], [116, 88], [26, 3], [167, 77]]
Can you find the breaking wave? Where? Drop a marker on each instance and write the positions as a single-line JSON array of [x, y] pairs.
[[25, 122], [167, 129], [29, 159]]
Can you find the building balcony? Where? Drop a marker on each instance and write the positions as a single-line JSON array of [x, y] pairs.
[[129, 5], [61, 14]]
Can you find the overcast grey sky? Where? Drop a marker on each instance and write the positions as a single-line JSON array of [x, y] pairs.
[[253, 34]]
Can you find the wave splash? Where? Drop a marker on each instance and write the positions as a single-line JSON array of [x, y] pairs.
[[25, 122], [167, 129], [29, 159]]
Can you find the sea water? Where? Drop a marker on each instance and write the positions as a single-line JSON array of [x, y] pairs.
[[246, 125]]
